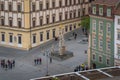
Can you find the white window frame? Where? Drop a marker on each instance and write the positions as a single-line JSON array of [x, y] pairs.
[[101, 44], [118, 52], [108, 28], [101, 26], [94, 10], [107, 62], [108, 12], [94, 58], [119, 21], [94, 25], [118, 35], [101, 11], [94, 42], [108, 45], [99, 59]]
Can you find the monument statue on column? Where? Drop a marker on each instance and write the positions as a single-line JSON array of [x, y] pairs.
[[61, 53], [61, 41]]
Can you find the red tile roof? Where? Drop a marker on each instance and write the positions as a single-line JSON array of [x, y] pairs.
[[107, 2]]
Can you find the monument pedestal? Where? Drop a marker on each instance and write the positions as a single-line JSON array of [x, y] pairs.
[[62, 50]]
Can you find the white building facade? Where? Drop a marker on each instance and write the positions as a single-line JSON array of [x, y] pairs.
[[117, 39]]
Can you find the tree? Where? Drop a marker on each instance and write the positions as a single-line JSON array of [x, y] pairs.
[[85, 23], [55, 78]]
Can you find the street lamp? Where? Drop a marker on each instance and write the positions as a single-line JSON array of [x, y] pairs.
[[47, 55]]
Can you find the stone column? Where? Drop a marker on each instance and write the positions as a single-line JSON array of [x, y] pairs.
[[61, 41]]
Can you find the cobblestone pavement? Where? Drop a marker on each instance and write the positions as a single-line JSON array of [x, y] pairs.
[[25, 68]]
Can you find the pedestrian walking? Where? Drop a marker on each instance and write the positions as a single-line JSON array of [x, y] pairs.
[[40, 61], [13, 63], [35, 61], [50, 60], [75, 36]]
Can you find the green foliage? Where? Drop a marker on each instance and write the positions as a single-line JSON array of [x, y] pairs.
[[55, 78], [85, 22]]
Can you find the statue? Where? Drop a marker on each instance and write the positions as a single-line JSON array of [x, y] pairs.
[[61, 41]]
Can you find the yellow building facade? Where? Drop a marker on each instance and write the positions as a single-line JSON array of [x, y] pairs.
[[25, 24]]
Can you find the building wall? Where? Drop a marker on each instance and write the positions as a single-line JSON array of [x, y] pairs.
[[95, 49], [30, 16], [116, 39]]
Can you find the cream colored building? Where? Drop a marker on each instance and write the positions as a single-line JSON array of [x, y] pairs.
[[28, 23]]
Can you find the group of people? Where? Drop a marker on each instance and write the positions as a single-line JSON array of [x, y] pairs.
[[38, 61], [81, 67], [7, 64]]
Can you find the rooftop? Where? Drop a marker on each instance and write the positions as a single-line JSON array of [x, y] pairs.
[[106, 2], [109, 73]]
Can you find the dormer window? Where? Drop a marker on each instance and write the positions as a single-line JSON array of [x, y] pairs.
[[108, 12], [94, 10], [101, 11]]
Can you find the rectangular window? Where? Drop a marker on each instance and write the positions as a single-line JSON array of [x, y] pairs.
[[2, 22], [10, 23], [60, 3], [47, 5], [2, 6], [66, 28], [118, 51], [108, 28], [66, 1], [33, 7], [74, 2], [34, 23], [19, 24], [53, 18], [34, 38], [70, 15], [66, 16], [53, 4], [78, 13], [108, 12], [19, 8], [100, 58], [101, 11], [60, 17], [19, 39], [41, 36], [75, 26], [118, 35], [108, 45], [108, 61], [53, 33], [10, 7], [47, 20], [93, 57], [74, 14], [70, 2], [94, 10], [41, 6], [11, 38], [41, 22], [48, 35], [70, 27], [94, 25], [101, 44], [2, 37], [101, 26], [94, 42], [118, 21]]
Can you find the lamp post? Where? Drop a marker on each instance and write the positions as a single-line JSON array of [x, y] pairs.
[[47, 55]]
